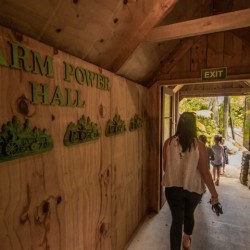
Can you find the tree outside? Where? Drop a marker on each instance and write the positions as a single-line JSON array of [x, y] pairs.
[[217, 115]]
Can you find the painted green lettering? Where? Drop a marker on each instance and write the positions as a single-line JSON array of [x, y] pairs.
[[107, 83], [44, 67], [79, 102], [80, 75], [20, 54], [69, 71], [100, 81], [43, 93], [3, 60], [57, 98], [89, 76], [69, 99]]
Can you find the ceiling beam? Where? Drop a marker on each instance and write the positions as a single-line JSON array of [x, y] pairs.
[[206, 25], [215, 92], [187, 78], [247, 83], [178, 88], [161, 9], [197, 80]]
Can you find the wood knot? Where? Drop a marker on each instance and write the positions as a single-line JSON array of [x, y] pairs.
[[101, 111], [107, 172], [22, 105], [45, 207], [104, 229], [59, 199]]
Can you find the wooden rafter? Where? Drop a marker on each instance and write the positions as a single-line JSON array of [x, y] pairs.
[[228, 21], [247, 83], [175, 56], [215, 92], [178, 87], [187, 78], [161, 9]]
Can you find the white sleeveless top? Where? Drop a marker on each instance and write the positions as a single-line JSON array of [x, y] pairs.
[[181, 169]]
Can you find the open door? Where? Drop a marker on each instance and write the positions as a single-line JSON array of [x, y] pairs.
[[166, 128]]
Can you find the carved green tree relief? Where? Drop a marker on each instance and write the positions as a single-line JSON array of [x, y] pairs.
[[17, 141], [135, 123], [115, 126], [82, 132]]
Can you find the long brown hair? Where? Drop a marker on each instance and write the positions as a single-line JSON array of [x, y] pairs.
[[186, 130]]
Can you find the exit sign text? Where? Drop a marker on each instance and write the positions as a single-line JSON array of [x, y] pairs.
[[214, 74]]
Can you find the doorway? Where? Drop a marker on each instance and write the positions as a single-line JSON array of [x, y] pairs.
[[166, 129]]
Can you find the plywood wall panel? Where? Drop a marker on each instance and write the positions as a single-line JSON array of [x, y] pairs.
[[77, 197], [215, 48], [245, 55], [198, 55], [233, 50], [183, 64], [154, 147]]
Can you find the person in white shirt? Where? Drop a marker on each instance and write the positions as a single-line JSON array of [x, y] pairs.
[[185, 172]]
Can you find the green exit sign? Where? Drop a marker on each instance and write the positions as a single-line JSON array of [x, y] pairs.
[[214, 74]]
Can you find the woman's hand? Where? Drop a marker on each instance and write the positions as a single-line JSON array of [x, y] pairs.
[[214, 200]]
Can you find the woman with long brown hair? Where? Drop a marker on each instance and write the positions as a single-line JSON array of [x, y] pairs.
[[185, 173]]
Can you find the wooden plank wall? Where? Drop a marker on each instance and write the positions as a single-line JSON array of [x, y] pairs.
[[154, 147], [83, 197], [223, 49]]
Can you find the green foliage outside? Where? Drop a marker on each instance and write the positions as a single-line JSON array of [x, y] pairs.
[[246, 126], [207, 125], [194, 104]]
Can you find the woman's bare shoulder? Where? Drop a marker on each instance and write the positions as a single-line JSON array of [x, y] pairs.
[[167, 141]]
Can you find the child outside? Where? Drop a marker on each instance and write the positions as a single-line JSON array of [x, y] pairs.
[[210, 152], [218, 158]]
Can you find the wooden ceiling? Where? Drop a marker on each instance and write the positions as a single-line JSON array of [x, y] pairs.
[[166, 42]]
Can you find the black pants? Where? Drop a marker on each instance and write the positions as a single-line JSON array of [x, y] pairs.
[[182, 205]]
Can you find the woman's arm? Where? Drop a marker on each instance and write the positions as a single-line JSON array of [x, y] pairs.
[[205, 174]]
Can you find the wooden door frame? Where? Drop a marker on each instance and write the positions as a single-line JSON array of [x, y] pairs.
[[165, 90]]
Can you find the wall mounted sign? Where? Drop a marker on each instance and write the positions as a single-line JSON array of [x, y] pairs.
[[135, 123], [31, 61], [17, 141], [115, 126], [214, 74], [83, 131]]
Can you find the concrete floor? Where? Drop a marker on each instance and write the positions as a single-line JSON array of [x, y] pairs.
[[230, 231]]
